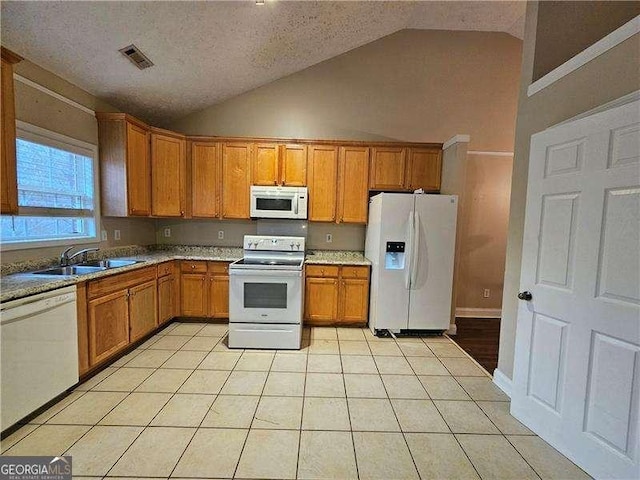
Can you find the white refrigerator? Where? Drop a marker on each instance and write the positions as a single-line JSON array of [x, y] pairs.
[[411, 245]]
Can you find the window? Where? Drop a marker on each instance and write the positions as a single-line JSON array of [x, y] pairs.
[[57, 186]]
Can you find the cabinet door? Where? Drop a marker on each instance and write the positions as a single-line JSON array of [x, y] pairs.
[[353, 185], [424, 169], [193, 295], [354, 300], [143, 313], [166, 298], [323, 168], [108, 325], [265, 164], [219, 296], [8, 179], [294, 165], [168, 175], [138, 171], [388, 168], [236, 178], [205, 188], [321, 300]]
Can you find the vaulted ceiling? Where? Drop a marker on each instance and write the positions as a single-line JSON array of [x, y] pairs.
[[206, 52]]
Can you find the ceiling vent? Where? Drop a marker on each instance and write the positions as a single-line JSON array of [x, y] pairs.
[[138, 58]]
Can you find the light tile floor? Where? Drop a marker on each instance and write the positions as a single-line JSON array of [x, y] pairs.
[[348, 405]]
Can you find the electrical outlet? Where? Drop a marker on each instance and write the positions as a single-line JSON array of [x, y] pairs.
[[486, 293], [103, 235], [329, 238], [116, 234], [167, 232], [220, 234]]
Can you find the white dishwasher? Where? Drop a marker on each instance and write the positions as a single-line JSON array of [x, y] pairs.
[[39, 352]]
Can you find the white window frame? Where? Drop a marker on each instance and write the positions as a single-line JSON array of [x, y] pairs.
[[32, 133]]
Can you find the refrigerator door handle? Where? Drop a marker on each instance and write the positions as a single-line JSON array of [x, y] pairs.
[[415, 249], [407, 271]]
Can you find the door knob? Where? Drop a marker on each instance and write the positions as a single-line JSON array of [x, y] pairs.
[[526, 295]]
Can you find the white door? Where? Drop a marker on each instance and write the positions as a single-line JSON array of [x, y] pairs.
[[577, 360], [432, 261]]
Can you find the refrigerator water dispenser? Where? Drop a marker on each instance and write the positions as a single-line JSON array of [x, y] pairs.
[[394, 257]]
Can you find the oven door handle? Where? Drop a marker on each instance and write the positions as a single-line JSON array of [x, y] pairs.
[[274, 274]]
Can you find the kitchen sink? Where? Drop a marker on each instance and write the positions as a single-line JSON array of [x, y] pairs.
[[71, 270], [109, 263]]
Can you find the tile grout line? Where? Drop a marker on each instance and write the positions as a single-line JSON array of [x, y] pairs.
[[244, 444], [346, 400], [148, 424], [195, 432], [304, 392]]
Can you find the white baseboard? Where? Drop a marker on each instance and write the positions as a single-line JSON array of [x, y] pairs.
[[453, 329], [478, 312], [502, 382]]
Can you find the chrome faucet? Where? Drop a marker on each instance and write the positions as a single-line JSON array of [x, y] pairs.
[[65, 258]]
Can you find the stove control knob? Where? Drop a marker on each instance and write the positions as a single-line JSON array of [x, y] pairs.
[[274, 241], [291, 245], [298, 245]]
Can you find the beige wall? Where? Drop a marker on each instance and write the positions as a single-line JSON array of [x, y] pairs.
[[483, 231], [40, 109], [205, 232], [413, 85], [608, 77], [588, 21]]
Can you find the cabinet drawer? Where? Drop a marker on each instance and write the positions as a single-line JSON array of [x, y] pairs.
[[322, 270], [98, 288], [193, 267], [349, 271], [167, 268], [219, 268]]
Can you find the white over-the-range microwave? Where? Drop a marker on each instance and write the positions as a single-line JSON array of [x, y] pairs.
[[279, 202]]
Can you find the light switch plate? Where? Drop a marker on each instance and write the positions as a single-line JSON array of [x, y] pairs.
[[103, 235], [116, 234], [329, 238]]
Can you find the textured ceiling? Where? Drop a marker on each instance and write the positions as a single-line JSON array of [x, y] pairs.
[[206, 52]]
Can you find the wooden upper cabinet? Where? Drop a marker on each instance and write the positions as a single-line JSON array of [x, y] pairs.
[[138, 170], [205, 184], [293, 161], [388, 168], [9, 178], [236, 179], [284, 165], [125, 165], [265, 168], [322, 178], [424, 169], [168, 169], [353, 185]]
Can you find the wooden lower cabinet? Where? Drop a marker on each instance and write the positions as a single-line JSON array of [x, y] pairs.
[[337, 296], [166, 299], [193, 295], [354, 300], [108, 318], [321, 300], [143, 316], [205, 293]]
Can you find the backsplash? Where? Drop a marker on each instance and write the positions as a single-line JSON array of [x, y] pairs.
[[205, 232]]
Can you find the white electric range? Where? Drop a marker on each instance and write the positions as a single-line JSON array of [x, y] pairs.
[[266, 292]]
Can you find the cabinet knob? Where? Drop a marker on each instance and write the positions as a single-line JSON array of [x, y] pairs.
[[193, 266], [182, 213], [322, 271]]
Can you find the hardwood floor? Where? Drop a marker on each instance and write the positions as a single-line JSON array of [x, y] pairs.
[[479, 337]]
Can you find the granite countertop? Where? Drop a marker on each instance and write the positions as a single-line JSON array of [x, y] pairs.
[[336, 257], [18, 281]]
